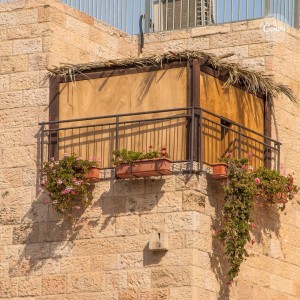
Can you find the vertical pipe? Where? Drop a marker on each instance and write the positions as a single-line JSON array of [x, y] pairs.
[[224, 12], [246, 9], [167, 2], [180, 15], [133, 11], [268, 8], [231, 10], [195, 14], [217, 11], [159, 15], [126, 16], [188, 15], [173, 14]]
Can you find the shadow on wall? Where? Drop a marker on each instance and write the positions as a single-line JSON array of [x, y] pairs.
[[44, 237], [268, 224]]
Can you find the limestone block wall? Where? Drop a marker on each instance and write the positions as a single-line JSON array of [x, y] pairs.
[[105, 256]]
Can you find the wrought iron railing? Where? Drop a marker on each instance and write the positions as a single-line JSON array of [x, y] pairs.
[[189, 134]]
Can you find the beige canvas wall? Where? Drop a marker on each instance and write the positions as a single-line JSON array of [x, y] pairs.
[[139, 92], [233, 105]]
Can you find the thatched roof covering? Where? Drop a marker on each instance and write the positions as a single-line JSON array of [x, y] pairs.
[[255, 82]]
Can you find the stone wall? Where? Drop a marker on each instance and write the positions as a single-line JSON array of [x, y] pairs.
[[105, 255]]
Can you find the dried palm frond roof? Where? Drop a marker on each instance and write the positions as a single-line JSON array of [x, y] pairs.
[[255, 82]]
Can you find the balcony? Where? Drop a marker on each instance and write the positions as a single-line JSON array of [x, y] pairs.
[[189, 134]]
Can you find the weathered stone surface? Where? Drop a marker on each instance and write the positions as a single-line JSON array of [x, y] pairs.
[[86, 282], [54, 285]]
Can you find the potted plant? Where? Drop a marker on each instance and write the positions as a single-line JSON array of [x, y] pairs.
[[131, 164], [244, 190], [68, 182], [219, 170]]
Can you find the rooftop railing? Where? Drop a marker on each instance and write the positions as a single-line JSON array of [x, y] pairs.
[[189, 134], [133, 16]]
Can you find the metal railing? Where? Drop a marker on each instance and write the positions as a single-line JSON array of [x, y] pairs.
[[189, 134], [132, 16]]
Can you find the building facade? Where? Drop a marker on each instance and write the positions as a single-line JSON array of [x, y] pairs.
[[106, 254]]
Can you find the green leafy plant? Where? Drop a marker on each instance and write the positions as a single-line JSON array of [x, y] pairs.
[[245, 189], [66, 183], [125, 156]]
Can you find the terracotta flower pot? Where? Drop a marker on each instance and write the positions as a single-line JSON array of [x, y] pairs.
[[124, 171], [93, 174], [144, 168], [219, 171]]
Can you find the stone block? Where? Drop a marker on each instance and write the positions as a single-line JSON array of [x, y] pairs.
[[193, 201], [7, 18], [142, 203], [116, 280], [29, 286], [8, 287], [182, 221], [18, 156], [18, 32], [181, 293], [127, 225], [37, 251], [61, 249], [97, 246], [130, 260], [10, 178], [54, 285], [51, 266], [135, 243], [6, 234], [38, 61], [103, 262], [27, 46], [70, 265], [4, 82], [154, 294], [85, 282], [169, 202], [128, 295], [14, 64], [27, 16], [164, 277], [139, 279], [24, 80], [18, 117], [152, 222]]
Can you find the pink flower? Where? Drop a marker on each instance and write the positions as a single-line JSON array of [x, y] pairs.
[[42, 183], [73, 193], [77, 207], [66, 154], [52, 158], [251, 168], [250, 154], [56, 163], [257, 180], [228, 155], [253, 226], [244, 167], [51, 165], [78, 158], [59, 181]]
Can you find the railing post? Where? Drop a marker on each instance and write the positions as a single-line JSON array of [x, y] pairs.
[[200, 143], [240, 144], [117, 132], [192, 133], [42, 145], [278, 157]]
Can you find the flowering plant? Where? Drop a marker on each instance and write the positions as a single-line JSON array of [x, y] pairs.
[[125, 156], [66, 183], [244, 186]]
